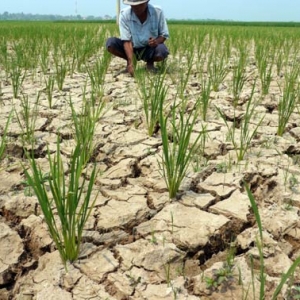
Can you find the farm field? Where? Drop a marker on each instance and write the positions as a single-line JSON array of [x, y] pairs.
[[179, 185]]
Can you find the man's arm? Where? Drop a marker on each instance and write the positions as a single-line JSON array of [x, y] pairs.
[[128, 48], [154, 42]]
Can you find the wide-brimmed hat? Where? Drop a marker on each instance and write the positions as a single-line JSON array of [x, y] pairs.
[[134, 2]]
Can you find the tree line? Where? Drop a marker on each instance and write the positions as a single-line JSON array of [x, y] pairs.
[[6, 16]]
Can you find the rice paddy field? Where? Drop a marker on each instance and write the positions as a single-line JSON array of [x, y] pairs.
[[182, 184]]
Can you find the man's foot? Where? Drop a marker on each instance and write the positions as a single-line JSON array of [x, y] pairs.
[[127, 70], [150, 68]]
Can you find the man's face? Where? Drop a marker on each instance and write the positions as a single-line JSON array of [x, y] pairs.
[[139, 9]]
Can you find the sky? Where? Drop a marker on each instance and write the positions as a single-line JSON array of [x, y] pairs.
[[236, 10]]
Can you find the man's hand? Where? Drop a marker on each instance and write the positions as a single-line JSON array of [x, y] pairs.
[[128, 47], [152, 42], [130, 69]]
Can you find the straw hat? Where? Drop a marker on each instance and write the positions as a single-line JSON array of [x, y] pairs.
[[134, 2]]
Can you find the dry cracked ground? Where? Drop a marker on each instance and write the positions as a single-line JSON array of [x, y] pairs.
[[138, 243]]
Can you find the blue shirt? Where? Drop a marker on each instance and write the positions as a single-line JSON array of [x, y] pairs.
[[131, 28]]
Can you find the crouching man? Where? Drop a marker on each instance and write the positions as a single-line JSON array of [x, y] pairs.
[[143, 31]]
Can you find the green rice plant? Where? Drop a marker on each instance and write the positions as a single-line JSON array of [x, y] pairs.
[[279, 60], [265, 55], [288, 101], [246, 134], [18, 52], [1, 93], [217, 68], [259, 244], [17, 76], [185, 72], [281, 57], [262, 277], [49, 89], [4, 61], [60, 74], [205, 97], [198, 159], [67, 197], [153, 93], [4, 135], [98, 71], [265, 75], [200, 47], [85, 123], [72, 64], [44, 57], [177, 154], [27, 117], [239, 76]]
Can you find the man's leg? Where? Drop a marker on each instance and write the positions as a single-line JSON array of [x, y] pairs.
[[115, 47], [160, 53]]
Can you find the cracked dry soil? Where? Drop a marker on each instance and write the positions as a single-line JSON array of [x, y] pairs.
[[138, 243]]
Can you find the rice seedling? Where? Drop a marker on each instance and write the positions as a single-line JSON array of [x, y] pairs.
[[205, 98], [217, 68], [177, 154], [85, 123], [4, 135], [239, 76], [17, 76], [1, 93], [288, 101], [246, 132], [4, 61], [60, 74], [259, 243], [198, 159], [67, 197], [266, 76], [264, 54], [98, 71], [185, 72], [27, 117], [49, 89], [200, 47], [153, 93], [44, 57]]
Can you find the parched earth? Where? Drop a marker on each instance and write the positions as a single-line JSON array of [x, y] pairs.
[[138, 243]]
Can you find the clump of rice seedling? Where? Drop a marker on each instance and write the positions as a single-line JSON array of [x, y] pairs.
[[205, 98], [67, 197], [27, 117], [49, 89], [17, 77], [177, 154], [246, 134], [60, 74], [288, 101], [153, 92], [217, 69], [260, 245], [4, 136], [239, 77], [98, 71], [85, 123]]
